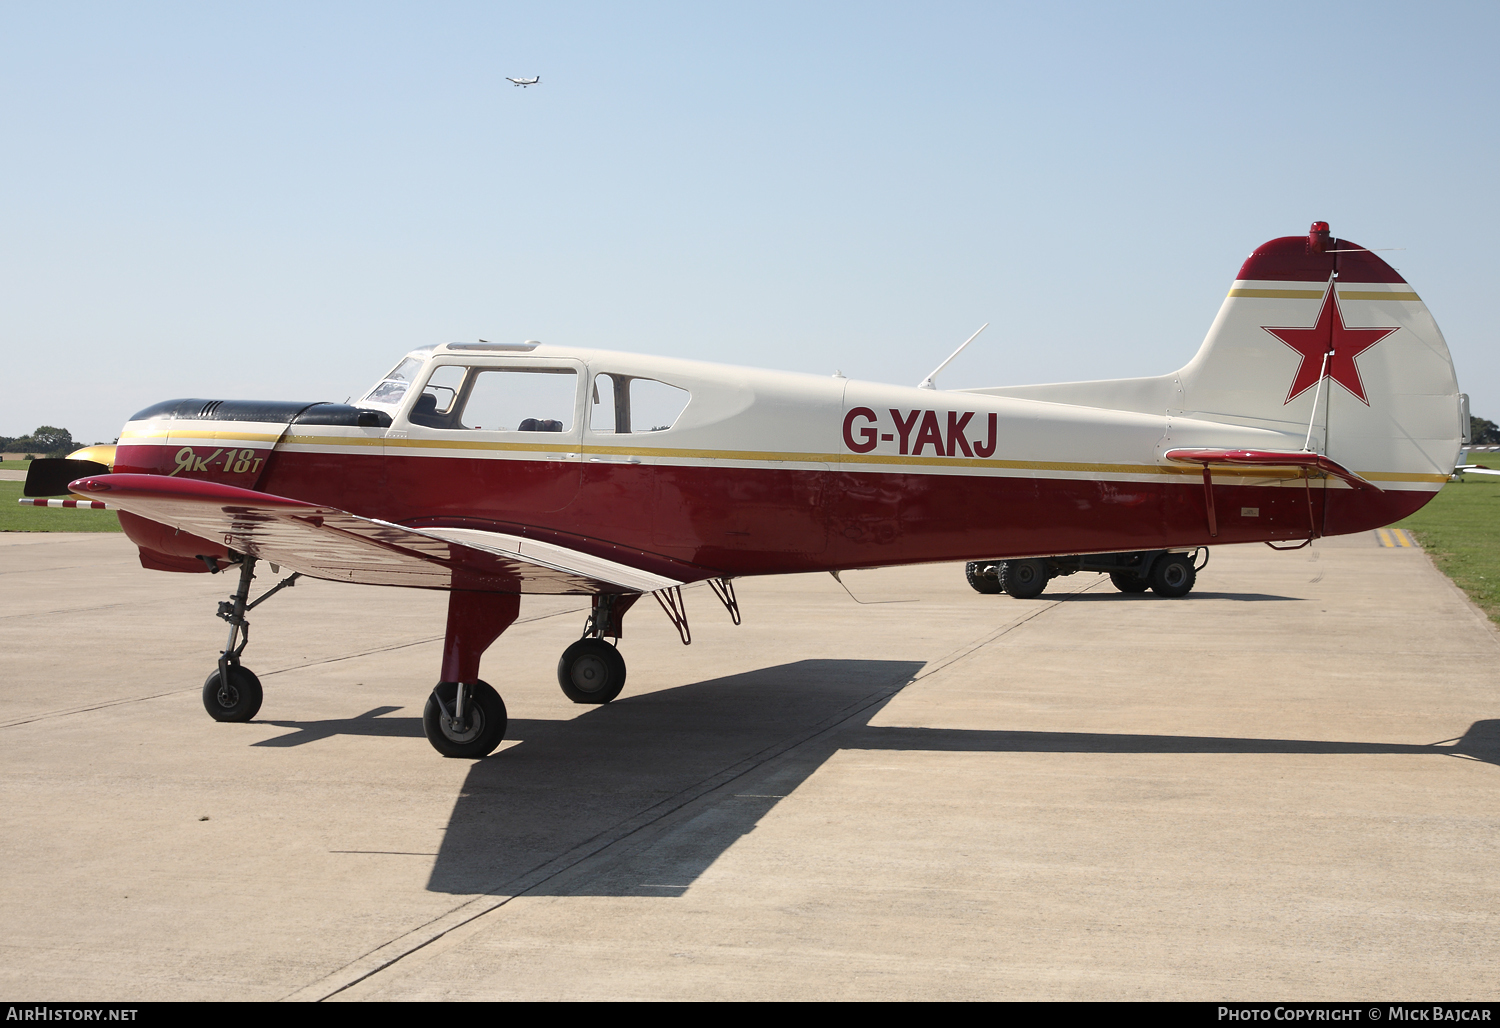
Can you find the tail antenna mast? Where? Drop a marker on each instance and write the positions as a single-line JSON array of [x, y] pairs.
[[930, 382]]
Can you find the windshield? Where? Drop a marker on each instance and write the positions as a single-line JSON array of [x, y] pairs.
[[389, 390]]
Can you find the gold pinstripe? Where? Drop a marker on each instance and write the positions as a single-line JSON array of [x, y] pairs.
[[1280, 294], [1317, 294], [781, 457], [1369, 294]]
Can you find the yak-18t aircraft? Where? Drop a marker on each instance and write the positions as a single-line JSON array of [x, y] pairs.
[[1323, 401]]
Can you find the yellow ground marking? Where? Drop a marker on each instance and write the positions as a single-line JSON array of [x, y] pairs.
[[1394, 537]]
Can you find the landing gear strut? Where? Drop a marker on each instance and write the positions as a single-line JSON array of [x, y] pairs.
[[233, 693], [464, 716]]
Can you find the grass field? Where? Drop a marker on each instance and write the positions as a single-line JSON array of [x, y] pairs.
[[16, 518], [1460, 530]]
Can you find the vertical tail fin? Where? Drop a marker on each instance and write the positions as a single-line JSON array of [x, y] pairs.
[[1325, 344], [1321, 333]]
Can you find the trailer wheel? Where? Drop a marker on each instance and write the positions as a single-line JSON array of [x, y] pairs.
[[1129, 582], [1172, 575], [983, 576], [1023, 579]]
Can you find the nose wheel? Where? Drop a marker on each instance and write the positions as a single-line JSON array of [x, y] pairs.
[[235, 697], [591, 671]]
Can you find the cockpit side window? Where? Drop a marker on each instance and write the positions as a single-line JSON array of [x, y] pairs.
[[536, 399], [621, 404], [439, 400]]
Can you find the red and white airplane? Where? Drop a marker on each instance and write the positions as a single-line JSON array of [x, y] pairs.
[[1323, 401]]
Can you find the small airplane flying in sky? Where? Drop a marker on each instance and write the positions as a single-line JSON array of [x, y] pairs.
[[524, 82], [1322, 401]]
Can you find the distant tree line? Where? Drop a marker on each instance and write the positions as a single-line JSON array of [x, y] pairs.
[[46, 441], [1483, 432]]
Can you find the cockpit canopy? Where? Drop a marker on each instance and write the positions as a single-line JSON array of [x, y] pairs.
[[463, 387]]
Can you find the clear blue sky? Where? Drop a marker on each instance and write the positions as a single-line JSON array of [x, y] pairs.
[[276, 200]]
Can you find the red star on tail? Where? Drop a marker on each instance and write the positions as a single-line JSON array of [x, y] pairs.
[[1329, 335]]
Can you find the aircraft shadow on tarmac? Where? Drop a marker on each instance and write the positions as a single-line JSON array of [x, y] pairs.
[[567, 782]]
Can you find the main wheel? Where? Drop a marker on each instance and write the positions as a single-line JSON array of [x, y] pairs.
[[591, 671], [1173, 575], [483, 723], [1024, 579], [236, 700], [983, 576], [1129, 582]]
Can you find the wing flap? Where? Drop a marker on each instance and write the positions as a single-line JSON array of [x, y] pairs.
[[326, 542]]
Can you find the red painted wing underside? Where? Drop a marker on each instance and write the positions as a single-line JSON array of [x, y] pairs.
[[325, 542]]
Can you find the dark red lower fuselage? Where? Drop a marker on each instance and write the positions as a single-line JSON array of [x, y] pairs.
[[694, 522]]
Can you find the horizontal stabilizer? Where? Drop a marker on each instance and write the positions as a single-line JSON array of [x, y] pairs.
[[1268, 459], [325, 542]]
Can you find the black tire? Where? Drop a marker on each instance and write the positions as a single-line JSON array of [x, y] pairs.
[[1173, 575], [983, 576], [591, 671], [1129, 582], [485, 721], [238, 701], [1024, 579]]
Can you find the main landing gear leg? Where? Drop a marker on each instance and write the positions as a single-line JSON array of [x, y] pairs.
[[464, 716], [233, 693], [592, 670]]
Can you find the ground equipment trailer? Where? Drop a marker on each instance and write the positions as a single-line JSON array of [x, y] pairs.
[[1169, 573]]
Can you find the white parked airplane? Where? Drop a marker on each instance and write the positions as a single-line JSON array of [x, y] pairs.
[[1465, 468], [1322, 402], [524, 82]]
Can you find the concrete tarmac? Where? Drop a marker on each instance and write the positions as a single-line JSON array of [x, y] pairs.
[[1285, 786]]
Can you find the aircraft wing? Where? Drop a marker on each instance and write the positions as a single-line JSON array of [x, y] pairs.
[[325, 542]]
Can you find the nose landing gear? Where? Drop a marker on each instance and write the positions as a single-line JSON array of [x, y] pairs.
[[233, 693]]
